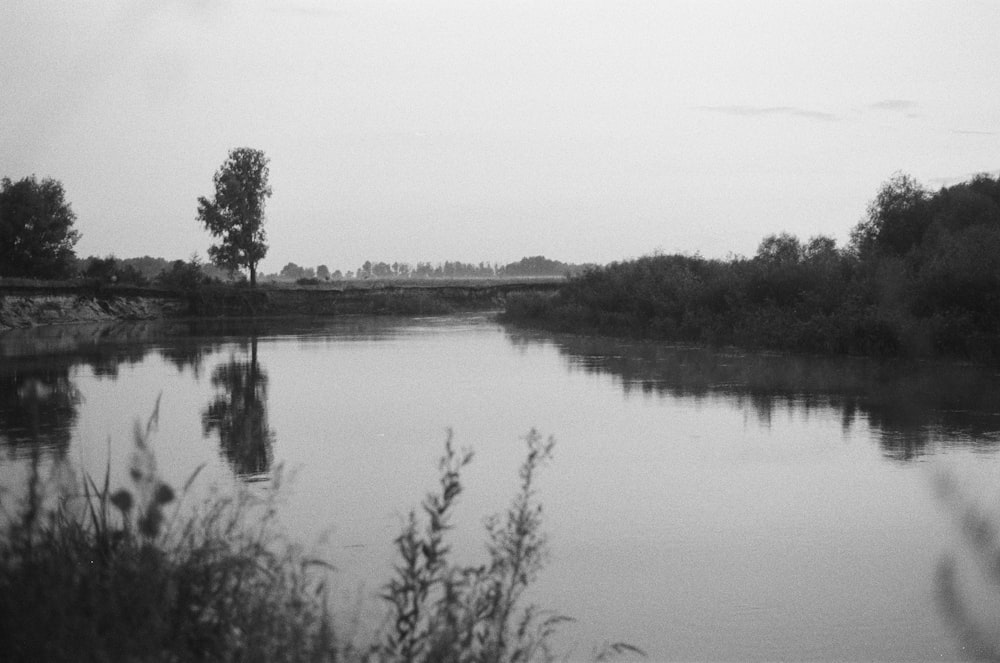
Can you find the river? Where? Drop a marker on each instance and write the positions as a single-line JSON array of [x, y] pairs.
[[700, 505]]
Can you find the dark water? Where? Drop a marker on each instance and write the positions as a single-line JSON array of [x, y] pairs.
[[701, 505]]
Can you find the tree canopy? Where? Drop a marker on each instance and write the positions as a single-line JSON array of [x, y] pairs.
[[236, 214], [36, 229]]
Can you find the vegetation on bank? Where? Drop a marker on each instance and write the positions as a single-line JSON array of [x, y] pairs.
[[128, 575], [920, 277]]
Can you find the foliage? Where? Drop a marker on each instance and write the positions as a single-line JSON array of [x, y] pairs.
[[443, 612], [292, 271], [921, 277], [526, 267], [111, 270], [536, 266], [896, 221], [185, 276], [236, 214], [36, 229]]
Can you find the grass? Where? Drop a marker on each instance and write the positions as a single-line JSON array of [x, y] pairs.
[[134, 575], [115, 576]]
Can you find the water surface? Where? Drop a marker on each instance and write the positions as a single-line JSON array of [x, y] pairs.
[[700, 505]]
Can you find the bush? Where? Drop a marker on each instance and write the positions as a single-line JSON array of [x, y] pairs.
[[111, 271], [186, 276]]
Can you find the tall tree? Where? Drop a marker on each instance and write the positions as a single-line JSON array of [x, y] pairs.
[[896, 220], [236, 214], [36, 229]]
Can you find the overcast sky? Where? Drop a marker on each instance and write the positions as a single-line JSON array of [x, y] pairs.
[[488, 131]]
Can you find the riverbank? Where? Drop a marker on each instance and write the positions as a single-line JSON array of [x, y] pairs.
[[832, 304], [29, 304]]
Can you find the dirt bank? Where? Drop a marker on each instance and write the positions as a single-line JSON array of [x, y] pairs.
[[18, 310], [32, 304]]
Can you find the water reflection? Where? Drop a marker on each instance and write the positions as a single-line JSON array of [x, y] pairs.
[[38, 404], [909, 405], [238, 415], [39, 397]]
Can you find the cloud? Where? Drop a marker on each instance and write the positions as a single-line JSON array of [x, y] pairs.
[[901, 105], [759, 111], [963, 132], [306, 11], [958, 179], [907, 107]]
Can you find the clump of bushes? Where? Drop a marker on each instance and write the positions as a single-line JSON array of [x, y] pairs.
[[920, 277], [112, 271], [184, 276]]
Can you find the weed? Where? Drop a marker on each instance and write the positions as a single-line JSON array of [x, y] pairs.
[[452, 613], [446, 612]]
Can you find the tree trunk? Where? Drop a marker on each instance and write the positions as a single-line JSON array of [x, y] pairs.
[[253, 276]]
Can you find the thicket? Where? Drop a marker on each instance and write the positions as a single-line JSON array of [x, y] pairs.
[[127, 575], [920, 277]]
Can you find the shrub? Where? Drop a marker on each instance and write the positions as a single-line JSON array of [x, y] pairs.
[[443, 612], [111, 270], [182, 275]]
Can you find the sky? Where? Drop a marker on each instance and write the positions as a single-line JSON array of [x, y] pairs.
[[423, 130]]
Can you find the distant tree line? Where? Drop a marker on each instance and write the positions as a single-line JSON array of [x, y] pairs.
[[525, 267], [919, 277]]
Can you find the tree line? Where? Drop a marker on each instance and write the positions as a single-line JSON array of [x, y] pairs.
[[37, 239], [525, 267], [920, 276]]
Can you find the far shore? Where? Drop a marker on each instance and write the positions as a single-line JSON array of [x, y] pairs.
[[30, 303]]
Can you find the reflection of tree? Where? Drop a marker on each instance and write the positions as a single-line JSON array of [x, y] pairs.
[[910, 405], [238, 415], [37, 403]]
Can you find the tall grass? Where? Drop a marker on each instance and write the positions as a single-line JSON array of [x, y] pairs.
[[130, 575], [111, 576]]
